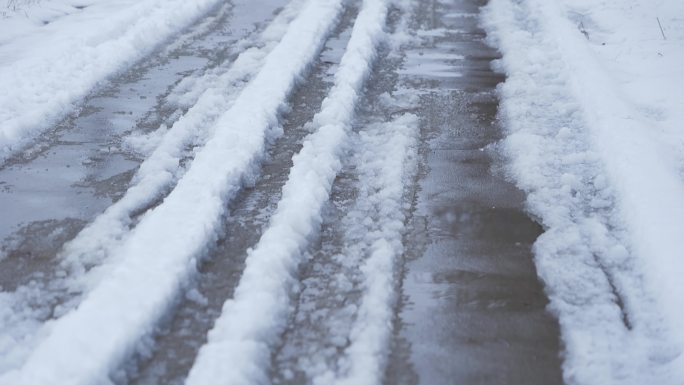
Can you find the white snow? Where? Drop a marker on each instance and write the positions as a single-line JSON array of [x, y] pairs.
[[593, 112], [253, 319], [45, 69], [158, 257]]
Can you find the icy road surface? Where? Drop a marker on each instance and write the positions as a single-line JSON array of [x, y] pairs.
[[350, 192]]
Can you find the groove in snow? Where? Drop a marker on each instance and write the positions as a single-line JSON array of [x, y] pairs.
[[155, 177], [386, 163], [84, 346], [252, 321]]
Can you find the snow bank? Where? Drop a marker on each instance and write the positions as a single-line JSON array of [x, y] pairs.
[[604, 180], [46, 68], [158, 257], [252, 321]]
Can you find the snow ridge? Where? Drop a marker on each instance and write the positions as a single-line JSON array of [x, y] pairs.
[[252, 321], [386, 163], [610, 256], [158, 257]]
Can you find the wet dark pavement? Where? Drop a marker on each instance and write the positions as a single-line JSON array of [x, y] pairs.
[[472, 309]]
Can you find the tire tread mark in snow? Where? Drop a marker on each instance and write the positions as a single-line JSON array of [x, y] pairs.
[[38, 273], [317, 334], [473, 310], [619, 301], [158, 257], [251, 322], [175, 348]]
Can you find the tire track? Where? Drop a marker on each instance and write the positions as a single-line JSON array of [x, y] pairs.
[[161, 170], [472, 309], [176, 347], [159, 256], [319, 331], [252, 321], [40, 281]]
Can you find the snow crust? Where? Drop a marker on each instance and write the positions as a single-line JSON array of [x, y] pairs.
[[159, 255], [252, 321], [594, 137], [46, 68]]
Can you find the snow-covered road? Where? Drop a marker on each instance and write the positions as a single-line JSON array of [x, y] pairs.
[[340, 192]]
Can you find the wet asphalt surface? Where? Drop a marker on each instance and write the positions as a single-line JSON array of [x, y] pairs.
[[472, 310]]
